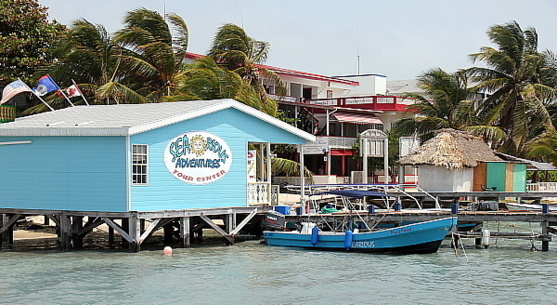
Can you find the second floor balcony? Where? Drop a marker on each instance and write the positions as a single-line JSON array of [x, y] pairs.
[[337, 142], [377, 103]]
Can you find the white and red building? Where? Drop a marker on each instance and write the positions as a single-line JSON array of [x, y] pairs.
[[337, 109]]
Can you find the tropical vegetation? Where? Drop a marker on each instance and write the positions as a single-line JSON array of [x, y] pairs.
[[510, 100]]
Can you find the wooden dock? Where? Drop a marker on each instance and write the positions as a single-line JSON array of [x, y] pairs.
[[180, 226], [135, 227]]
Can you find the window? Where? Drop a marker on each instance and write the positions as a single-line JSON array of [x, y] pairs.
[[139, 164]]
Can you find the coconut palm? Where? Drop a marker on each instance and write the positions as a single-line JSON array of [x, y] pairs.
[[518, 81], [205, 80], [89, 56], [447, 102], [234, 49], [153, 53]]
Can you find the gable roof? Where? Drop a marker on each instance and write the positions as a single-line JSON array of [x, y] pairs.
[[453, 149], [128, 119]]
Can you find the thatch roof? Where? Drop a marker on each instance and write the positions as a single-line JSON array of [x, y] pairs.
[[453, 149]]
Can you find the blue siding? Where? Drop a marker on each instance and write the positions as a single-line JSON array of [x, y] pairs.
[[166, 192], [64, 173]]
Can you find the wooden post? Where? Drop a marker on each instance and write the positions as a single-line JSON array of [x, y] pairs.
[[545, 231], [77, 225], [230, 224], [185, 232], [167, 231], [65, 233], [2, 235], [111, 237], [134, 232], [126, 228]]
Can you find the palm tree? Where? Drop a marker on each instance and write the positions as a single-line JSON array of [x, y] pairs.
[[447, 102], [517, 79], [234, 49], [89, 56], [153, 55], [205, 80]]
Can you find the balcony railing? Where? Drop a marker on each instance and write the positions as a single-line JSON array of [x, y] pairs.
[[382, 103], [283, 98], [7, 113], [337, 142]]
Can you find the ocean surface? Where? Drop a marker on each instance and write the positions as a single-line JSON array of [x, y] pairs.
[[251, 273]]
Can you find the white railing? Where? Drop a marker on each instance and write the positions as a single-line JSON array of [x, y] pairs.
[[283, 98], [542, 187], [359, 100], [259, 193], [339, 142], [325, 102]]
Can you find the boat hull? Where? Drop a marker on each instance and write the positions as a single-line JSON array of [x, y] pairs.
[[422, 237]]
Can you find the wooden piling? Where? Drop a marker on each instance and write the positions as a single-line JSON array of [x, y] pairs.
[[185, 232]]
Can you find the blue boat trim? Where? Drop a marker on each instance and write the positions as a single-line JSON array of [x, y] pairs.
[[420, 237]]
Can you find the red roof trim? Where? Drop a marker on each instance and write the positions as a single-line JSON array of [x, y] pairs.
[[294, 73]]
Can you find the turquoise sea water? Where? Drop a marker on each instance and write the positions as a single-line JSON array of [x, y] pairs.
[[252, 273]]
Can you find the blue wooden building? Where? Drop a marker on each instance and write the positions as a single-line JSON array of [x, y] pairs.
[[138, 157]]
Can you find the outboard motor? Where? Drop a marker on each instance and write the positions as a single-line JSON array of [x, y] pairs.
[[273, 220]]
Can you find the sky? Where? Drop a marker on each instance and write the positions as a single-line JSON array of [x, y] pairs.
[[397, 38]]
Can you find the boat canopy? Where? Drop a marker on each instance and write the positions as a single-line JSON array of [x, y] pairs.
[[353, 193]]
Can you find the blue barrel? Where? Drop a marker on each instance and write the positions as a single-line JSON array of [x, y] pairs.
[[348, 236], [545, 208], [371, 209], [454, 208], [299, 211], [314, 236]]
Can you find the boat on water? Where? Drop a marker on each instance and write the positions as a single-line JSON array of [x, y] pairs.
[[418, 237]]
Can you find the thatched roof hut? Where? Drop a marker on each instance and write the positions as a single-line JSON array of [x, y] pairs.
[[453, 149]]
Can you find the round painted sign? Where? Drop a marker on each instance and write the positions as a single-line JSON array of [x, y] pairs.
[[198, 157]]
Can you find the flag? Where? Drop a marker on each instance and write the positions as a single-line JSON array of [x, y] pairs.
[[45, 85], [13, 89], [73, 90]]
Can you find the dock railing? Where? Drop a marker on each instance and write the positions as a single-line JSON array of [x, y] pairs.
[[542, 187]]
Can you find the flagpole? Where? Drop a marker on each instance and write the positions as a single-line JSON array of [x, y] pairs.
[[67, 98], [32, 91], [61, 91], [82, 95]]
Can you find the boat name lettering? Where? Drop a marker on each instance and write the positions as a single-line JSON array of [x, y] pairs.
[[363, 244], [403, 230]]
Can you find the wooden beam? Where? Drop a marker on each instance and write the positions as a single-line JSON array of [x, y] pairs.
[[90, 225], [244, 222], [217, 228], [12, 220], [149, 230], [54, 218], [118, 229]]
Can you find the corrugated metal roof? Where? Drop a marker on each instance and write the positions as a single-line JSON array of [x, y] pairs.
[[533, 165], [127, 119]]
